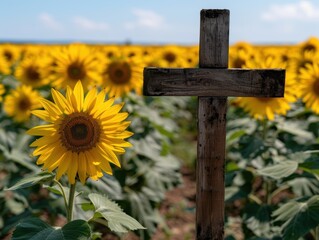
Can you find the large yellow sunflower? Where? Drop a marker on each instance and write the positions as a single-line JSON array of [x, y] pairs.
[[309, 86], [122, 75], [267, 108], [76, 62], [83, 135], [33, 71], [20, 102]]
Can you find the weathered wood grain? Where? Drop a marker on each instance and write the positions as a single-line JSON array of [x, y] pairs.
[[214, 82], [213, 40], [210, 191], [210, 172]]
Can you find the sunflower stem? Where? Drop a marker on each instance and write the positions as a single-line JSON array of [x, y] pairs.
[[71, 202]]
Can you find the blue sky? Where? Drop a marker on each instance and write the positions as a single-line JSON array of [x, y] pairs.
[[155, 21]]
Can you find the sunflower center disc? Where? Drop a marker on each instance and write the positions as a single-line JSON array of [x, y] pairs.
[[24, 104], [316, 87], [76, 71], [8, 55], [309, 47], [170, 57], [120, 73], [32, 74], [79, 132]]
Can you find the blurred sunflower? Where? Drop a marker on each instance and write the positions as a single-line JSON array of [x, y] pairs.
[[267, 108], [312, 45], [76, 62], [111, 51], [33, 71], [309, 86], [240, 53], [20, 102], [121, 76], [172, 56], [299, 61], [10, 52], [84, 134]]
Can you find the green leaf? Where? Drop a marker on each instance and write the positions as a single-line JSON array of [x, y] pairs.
[[40, 177], [279, 171], [117, 220], [258, 218], [299, 217], [36, 229]]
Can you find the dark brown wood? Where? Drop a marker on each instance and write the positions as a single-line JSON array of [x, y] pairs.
[[210, 188], [213, 40], [214, 82]]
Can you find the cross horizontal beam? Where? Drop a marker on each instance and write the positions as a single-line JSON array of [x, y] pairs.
[[214, 82]]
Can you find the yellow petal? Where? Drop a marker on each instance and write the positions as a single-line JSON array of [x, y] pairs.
[[43, 114], [73, 169], [89, 99], [108, 153], [60, 101], [52, 109], [82, 167], [79, 95], [64, 165], [42, 130]]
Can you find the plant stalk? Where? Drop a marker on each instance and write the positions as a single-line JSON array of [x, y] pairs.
[[71, 202], [317, 233]]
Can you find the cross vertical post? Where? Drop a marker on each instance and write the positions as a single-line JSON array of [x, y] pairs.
[[212, 82], [210, 189]]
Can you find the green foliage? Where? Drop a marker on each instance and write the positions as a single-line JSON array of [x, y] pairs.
[[115, 218], [26, 182], [298, 217], [36, 229], [272, 175]]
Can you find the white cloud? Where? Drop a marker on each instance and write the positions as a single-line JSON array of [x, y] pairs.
[[145, 18], [88, 24], [49, 21], [302, 10]]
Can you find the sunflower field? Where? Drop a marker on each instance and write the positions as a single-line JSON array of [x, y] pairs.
[[75, 113]]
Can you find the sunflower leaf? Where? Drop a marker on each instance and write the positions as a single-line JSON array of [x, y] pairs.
[[40, 177], [298, 217], [279, 171], [117, 220], [36, 229]]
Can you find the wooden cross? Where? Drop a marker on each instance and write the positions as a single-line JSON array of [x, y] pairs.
[[212, 82]]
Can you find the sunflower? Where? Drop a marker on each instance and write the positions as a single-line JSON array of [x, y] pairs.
[[20, 102], [173, 56], [122, 75], [309, 86], [240, 54], [299, 61], [312, 44], [33, 71], [76, 62], [84, 134], [10, 52], [267, 108]]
